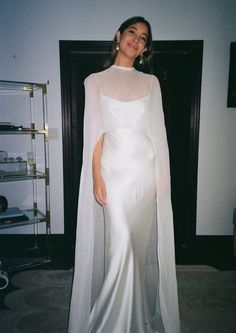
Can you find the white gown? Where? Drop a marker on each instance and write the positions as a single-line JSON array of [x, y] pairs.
[[124, 284]]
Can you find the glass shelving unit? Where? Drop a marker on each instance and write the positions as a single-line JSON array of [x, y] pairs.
[[28, 121]]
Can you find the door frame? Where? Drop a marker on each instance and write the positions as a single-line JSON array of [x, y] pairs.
[[194, 48]]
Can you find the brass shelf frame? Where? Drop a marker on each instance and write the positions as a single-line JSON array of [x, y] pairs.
[[35, 216]]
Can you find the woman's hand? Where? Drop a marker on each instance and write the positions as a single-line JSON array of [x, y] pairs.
[[99, 188], [99, 191]]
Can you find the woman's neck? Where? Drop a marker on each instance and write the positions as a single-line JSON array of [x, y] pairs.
[[123, 62]]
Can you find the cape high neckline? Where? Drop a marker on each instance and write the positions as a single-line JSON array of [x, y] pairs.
[[123, 68]]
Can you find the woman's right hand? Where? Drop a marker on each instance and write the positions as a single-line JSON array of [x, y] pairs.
[[99, 191]]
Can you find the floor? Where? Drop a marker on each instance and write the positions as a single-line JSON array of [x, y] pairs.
[[37, 300]]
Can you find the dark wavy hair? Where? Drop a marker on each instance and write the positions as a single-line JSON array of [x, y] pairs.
[[147, 55]]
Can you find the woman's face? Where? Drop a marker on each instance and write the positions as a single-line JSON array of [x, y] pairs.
[[133, 40]]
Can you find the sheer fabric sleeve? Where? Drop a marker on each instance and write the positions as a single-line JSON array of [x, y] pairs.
[[82, 281], [165, 245]]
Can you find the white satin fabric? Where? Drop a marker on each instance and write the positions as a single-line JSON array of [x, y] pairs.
[[124, 277]]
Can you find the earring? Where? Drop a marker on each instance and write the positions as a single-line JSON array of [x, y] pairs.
[[117, 46], [141, 59]]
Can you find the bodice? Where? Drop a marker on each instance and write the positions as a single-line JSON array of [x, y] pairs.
[[119, 114]]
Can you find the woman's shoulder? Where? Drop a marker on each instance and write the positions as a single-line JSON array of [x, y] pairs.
[[95, 75], [90, 78], [148, 76], [150, 79]]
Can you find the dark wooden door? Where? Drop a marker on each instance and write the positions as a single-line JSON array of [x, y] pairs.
[[178, 66]]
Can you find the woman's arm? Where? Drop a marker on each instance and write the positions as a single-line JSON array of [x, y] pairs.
[[99, 188]]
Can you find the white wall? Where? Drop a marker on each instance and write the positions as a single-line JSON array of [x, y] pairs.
[[29, 51]]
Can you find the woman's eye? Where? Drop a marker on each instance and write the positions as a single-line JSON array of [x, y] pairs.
[[144, 39]]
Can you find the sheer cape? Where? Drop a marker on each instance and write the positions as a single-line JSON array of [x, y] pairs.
[[124, 85]]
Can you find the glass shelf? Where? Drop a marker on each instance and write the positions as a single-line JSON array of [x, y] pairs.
[[11, 264], [33, 218], [20, 132], [16, 86], [37, 175]]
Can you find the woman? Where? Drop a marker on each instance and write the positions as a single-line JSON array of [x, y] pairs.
[[124, 278]]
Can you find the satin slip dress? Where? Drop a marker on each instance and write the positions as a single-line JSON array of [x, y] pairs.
[[127, 166]]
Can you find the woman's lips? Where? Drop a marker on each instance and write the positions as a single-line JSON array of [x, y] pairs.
[[133, 46]]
